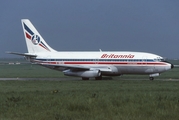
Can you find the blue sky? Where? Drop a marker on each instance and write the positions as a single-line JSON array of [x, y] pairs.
[[89, 25]]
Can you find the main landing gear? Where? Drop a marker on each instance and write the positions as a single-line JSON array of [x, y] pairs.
[[85, 78], [151, 78], [96, 78]]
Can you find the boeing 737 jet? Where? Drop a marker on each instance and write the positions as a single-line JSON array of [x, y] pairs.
[[90, 64]]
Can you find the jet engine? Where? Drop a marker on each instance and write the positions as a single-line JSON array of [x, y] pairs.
[[85, 74]]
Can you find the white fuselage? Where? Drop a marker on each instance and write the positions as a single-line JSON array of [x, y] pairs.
[[117, 62]]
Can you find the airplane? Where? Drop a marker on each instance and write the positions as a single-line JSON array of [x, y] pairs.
[[90, 64]]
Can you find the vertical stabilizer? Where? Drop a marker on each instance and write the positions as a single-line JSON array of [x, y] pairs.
[[35, 42]]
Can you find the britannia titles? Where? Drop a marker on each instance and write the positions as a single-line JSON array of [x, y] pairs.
[[116, 56]]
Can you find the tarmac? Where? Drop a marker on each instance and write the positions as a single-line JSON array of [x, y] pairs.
[[52, 79], [75, 79]]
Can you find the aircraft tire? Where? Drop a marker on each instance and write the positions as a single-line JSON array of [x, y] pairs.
[[98, 78], [151, 78], [84, 78]]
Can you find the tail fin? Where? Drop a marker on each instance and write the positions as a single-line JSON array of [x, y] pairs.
[[35, 42]]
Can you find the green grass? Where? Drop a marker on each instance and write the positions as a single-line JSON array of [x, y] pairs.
[[27, 71], [89, 100]]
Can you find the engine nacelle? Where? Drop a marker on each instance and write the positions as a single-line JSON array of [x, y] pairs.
[[86, 74]]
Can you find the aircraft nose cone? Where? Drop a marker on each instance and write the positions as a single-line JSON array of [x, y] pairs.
[[172, 66]]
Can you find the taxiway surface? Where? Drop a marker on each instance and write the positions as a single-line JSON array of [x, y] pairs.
[[75, 79]]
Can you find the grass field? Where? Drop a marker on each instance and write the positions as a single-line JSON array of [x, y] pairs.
[[89, 100], [120, 98]]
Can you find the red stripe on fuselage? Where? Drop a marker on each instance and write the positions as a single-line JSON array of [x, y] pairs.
[[118, 63], [108, 63]]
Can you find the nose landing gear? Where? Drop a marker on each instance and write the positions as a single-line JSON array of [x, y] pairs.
[[151, 76]]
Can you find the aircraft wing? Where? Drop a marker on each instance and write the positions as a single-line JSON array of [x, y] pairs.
[[78, 67]]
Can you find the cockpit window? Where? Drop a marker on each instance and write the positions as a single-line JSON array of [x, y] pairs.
[[162, 60], [159, 59]]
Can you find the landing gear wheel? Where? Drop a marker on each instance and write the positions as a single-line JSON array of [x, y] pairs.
[[151, 78], [84, 78], [98, 78]]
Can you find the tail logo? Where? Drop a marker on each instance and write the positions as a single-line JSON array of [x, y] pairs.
[[34, 38]]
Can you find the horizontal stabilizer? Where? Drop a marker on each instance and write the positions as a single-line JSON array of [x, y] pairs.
[[22, 54]]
